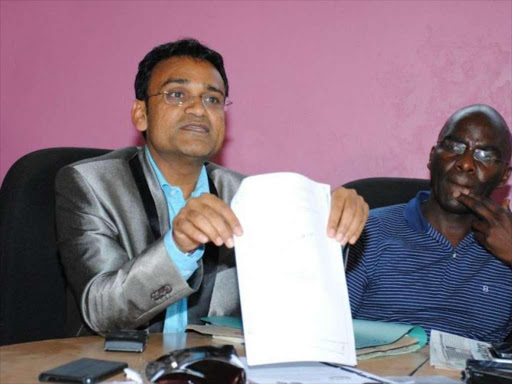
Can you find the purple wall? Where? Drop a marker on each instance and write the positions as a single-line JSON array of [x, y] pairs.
[[334, 90]]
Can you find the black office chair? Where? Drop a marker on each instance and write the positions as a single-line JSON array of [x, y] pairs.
[[383, 191], [34, 300]]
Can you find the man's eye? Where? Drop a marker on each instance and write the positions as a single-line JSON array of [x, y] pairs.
[[211, 99], [177, 95], [454, 147], [485, 156]]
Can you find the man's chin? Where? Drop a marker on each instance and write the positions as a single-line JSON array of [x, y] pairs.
[[455, 207], [200, 153]]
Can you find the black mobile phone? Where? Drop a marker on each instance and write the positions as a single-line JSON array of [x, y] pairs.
[[85, 371]]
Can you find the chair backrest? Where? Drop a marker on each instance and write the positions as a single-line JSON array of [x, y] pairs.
[[34, 300], [382, 191]]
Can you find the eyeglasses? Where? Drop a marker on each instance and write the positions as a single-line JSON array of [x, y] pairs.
[[483, 156], [198, 365], [211, 101]]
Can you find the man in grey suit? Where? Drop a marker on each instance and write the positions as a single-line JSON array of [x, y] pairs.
[[146, 234]]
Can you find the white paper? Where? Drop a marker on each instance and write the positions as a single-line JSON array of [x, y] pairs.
[[450, 351], [290, 273], [309, 373]]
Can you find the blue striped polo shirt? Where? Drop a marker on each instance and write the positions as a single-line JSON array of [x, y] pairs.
[[403, 270]]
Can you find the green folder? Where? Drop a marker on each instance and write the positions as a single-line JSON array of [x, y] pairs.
[[367, 333], [375, 333]]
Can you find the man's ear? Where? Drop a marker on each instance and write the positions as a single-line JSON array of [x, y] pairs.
[[139, 116], [430, 157], [505, 176]]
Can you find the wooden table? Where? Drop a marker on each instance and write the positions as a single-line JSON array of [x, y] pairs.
[[22, 363]]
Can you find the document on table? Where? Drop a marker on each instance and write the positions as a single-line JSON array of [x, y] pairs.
[[450, 351], [309, 373], [291, 277]]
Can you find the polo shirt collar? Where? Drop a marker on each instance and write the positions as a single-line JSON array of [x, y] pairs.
[[413, 214], [418, 222], [202, 185]]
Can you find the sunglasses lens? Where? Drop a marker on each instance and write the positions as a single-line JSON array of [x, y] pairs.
[[198, 365], [179, 378], [219, 372]]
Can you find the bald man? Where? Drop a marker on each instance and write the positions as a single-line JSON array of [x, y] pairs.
[[443, 261]]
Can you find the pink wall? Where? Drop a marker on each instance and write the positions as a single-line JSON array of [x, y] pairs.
[[334, 90]]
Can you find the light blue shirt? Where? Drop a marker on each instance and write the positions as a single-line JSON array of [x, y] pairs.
[[176, 315]]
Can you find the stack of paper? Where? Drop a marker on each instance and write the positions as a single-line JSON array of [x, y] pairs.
[[450, 351], [291, 277]]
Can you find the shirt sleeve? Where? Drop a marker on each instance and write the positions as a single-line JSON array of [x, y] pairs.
[[186, 263]]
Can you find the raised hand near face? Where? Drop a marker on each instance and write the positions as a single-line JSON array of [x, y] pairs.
[[205, 218], [492, 226], [348, 215]]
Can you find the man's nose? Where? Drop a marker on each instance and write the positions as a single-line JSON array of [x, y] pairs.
[[466, 161], [195, 105]]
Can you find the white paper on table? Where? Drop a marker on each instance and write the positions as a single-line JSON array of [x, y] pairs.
[[451, 351], [291, 277], [309, 373]]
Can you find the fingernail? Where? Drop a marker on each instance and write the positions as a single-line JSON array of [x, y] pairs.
[[344, 241], [353, 240], [203, 239], [238, 231], [218, 241], [230, 243], [456, 194], [339, 237], [331, 232]]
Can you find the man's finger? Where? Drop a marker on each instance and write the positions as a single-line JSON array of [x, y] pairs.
[[337, 206], [187, 237], [230, 218], [481, 238], [484, 208], [204, 221], [222, 228], [351, 215], [359, 230], [480, 226], [217, 207]]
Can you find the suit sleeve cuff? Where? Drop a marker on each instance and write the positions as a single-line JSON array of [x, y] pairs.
[[186, 263]]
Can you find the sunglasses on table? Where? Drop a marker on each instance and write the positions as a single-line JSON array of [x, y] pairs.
[[198, 365]]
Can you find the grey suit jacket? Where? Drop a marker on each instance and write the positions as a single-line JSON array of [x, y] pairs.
[[121, 276]]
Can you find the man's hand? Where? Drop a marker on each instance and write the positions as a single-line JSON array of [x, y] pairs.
[[493, 228], [205, 218], [348, 215]]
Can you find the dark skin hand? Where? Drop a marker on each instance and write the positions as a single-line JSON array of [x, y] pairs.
[[492, 226]]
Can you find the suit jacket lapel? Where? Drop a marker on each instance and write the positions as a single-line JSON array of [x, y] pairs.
[[156, 191]]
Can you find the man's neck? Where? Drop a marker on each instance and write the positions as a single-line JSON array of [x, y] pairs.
[[454, 227], [179, 171]]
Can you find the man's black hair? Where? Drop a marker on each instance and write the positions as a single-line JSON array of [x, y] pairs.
[[185, 47]]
